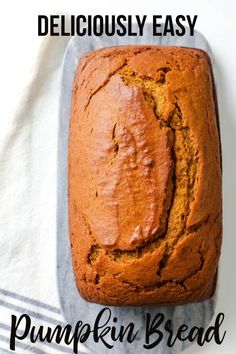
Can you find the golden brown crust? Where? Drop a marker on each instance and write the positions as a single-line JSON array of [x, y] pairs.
[[144, 176]]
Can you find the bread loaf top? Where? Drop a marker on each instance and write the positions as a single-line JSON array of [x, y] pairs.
[[145, 168]]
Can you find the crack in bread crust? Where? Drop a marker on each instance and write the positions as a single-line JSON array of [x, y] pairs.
[[183, 155], [103, 84]]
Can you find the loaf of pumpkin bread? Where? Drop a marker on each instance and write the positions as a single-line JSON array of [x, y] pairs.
[[145, 213]]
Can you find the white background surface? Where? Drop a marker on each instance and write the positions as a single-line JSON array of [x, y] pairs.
[[216, 20]]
